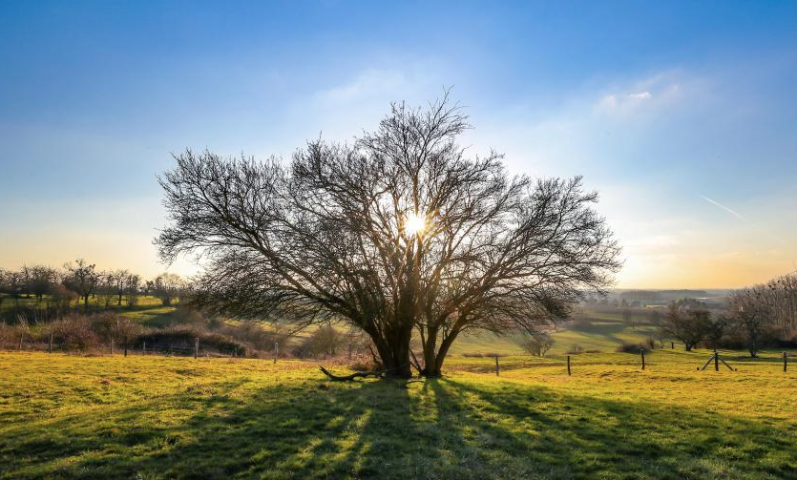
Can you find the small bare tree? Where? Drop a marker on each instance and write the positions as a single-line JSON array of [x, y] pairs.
[[398, 234], [121, 283], [40, 280], [82, 278], [752, 313], [689, 325], [537, 345], [169, 286], [125, 330]]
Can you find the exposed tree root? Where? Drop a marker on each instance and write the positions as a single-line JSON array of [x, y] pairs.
[[348, 378]]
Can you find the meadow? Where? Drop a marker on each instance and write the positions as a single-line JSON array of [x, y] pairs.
[[150, 417]]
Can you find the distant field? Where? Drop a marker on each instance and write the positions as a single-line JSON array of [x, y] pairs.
[[95, 302], [156, 418], [604, 332]]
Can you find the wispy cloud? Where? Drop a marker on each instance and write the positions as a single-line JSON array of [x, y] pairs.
[[653, 93], [368, 84], [727, 209]]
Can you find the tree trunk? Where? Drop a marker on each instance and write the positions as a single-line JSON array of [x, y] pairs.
[[433, 367], [85, 303], [394, 352], [429, 356], [753, 344], [688, 346]]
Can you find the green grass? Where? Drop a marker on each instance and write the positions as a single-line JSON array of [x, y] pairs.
[[96, 302], [157, 317], [149, 417], [605, 333]]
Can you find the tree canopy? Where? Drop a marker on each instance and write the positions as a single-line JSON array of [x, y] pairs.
[[399, 234]]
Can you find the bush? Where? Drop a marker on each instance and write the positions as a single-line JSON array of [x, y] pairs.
[[7, 334], [181, 340], [537, 345], [575, 349], [633, 348], [324, 341], [75, 332], [252, 333]]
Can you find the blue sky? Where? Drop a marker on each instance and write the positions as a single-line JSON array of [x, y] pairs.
[[682, 114]]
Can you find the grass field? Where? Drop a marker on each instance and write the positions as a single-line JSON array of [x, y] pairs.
[[154, 417], [604, 332]]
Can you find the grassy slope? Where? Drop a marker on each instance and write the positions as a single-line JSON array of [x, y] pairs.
[[605, 334], [148, 417]]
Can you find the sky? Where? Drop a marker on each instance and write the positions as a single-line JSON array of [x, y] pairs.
[[683, 115]]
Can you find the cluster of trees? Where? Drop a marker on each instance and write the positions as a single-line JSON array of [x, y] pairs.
[[756, 317], [81, 281]]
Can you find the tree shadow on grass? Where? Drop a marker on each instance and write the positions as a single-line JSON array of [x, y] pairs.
[[310, 428], [532, 432], [304, 429]]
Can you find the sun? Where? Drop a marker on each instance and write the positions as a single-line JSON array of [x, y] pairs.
[[414, 224]]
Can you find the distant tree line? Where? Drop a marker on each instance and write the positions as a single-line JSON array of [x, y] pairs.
[[757, 317], [76, 283]]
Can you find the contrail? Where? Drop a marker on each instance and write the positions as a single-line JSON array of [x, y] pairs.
[[718, 204]]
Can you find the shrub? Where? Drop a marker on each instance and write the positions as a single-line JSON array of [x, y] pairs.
[[324, 341], [537, 345], [74, 332], [633, 348], [252, 333], [575, 349], [181, 340]]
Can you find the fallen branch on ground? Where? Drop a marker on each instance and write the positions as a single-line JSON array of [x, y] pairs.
[[344, 378]]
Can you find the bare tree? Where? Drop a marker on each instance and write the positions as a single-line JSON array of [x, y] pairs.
[[753, 314], [125, 330], [398, 234], [169, 286], [13, 284], [148, 287], [122, 283], [39, 280], [716, 329], [537, 345], [82, 278], [132, 289], [3, 279], [689, 325]]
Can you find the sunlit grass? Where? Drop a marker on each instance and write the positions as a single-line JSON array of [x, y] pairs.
[[152, 417], [605, 333]]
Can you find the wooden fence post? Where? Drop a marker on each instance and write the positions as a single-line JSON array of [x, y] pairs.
[[276, 351], [126, 346], [196, 348], [112, 346], [21, 339], [497, 367], [643, 360], [785, 361], [144, 347], [672, 345], [50, 345], [568, 364], [716, 360]]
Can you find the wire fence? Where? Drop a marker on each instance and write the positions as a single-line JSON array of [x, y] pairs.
[[569, 364]]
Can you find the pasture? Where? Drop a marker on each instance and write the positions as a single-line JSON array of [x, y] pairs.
[[64, 416]]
